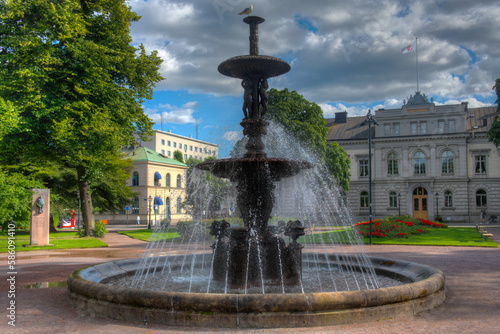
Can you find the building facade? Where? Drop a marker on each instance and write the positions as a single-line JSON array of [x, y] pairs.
[[167, 143], [427, 161]]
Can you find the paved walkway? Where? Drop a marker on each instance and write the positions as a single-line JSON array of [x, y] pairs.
[[472, 305]]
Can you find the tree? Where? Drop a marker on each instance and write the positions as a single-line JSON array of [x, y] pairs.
[[304, 120], [494, 131], [300, 117], [78, 83], [178, 156]]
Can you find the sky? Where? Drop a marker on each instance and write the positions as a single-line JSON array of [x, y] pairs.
[[344, 55]]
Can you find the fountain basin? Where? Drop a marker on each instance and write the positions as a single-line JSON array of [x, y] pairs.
[[424, 289]]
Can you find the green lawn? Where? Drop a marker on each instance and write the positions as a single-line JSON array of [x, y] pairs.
[[145, 235], [60, 240], [452, 236]]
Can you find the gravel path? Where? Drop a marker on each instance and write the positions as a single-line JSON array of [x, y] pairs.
[[472, 280]]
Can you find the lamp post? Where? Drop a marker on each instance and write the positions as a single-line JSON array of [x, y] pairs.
[[437, 205], [369, 119], [399, 203], [149, 220]]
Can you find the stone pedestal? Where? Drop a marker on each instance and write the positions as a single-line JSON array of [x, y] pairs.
[[40, 212]]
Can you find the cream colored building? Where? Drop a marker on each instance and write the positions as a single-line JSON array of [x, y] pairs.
[[160, 184], [167, 143], [426, 160]]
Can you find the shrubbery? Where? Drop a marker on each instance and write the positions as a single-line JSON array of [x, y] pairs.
[[99, 231]]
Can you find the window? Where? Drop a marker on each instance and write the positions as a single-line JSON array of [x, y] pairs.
[[135, 206], [393, 199], [167, 180], [185, 157], [392, 164], [448, 199], [163, 141], [163, 152], [441, 126], [175, 144], [157, 182], [168, 153], [178, 181], [178, 205], [135, 179], [190, 148], [196, 149], [363, 167], [480, 162], [481, 198], [387, 130], [363, 199], [167, 207], [447, 162], [451, 125], [396, 129], [413, 126], [423, 127], [419, 163], [168, 143]]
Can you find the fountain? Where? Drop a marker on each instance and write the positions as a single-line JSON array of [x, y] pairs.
[[251, 276]]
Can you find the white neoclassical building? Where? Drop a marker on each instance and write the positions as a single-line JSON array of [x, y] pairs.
[[427, 160]]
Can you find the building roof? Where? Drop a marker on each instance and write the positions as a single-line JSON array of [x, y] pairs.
[[351, 129], [480, 119], [145, 154]]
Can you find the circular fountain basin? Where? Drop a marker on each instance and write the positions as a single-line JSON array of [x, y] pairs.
[[423, 289]]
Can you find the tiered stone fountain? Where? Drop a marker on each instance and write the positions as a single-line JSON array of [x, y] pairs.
[[254, 254]]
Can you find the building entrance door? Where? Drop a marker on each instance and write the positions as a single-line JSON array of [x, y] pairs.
[[420, 200]]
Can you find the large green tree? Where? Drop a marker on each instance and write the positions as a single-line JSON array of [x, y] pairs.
[[304, 120], [70, 69], [494, 131]]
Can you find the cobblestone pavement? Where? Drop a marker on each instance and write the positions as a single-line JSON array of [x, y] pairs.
[[472, 304]]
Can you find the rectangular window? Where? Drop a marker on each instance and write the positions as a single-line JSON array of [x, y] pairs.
[[163, 152], [387, 130], [196, 149], [396, 129], [413, 128], [393, 200], [423, 128], [451, 126], [363, 167], [185, 157], [480, 164], [185, 147], [190, 148], [168, 143], [163, 141], [168, 153], [441, 126], [175, 144]]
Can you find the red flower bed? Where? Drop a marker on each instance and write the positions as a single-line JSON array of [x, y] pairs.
[[395, 227]]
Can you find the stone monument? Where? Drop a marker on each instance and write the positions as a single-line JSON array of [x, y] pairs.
[[40, 213]]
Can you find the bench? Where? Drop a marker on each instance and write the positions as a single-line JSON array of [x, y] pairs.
[[484, 234]]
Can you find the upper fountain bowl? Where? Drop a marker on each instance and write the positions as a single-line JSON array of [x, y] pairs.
[[253, 66]]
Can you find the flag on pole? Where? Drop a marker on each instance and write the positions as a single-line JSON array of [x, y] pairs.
[[409, 48]]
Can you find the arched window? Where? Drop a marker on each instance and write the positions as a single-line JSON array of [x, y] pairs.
[[178, 205], [419, 163], [392, 164], [135, 179], [393, 199], [363, 199], [157, 179], [167, 180], [179, 181], [447, 166], [481, 198], [135, 206], [167, 207], [448, 199]]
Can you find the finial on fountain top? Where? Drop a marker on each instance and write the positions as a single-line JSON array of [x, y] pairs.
[[254, 22]]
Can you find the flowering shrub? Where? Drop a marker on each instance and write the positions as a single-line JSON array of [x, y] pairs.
[[395, 227]]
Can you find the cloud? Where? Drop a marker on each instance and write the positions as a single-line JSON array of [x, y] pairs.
[[167, 113], [232, 136], [349, 52]]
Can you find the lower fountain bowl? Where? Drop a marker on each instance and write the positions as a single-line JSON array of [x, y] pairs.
[[424, 290]]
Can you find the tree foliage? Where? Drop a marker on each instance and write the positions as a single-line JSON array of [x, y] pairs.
[[304, 120], [70, 70], [178, 156], [494, 131]]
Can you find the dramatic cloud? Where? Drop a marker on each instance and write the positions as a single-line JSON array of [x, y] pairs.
[[342, 53]]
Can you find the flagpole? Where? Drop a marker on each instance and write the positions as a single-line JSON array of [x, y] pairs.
[[416, 50]]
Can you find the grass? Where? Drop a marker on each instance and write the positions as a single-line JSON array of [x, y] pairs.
[[145, 235], [59, 240], [452, 236]]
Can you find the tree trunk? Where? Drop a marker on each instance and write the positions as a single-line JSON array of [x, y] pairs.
[[87, 209]]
